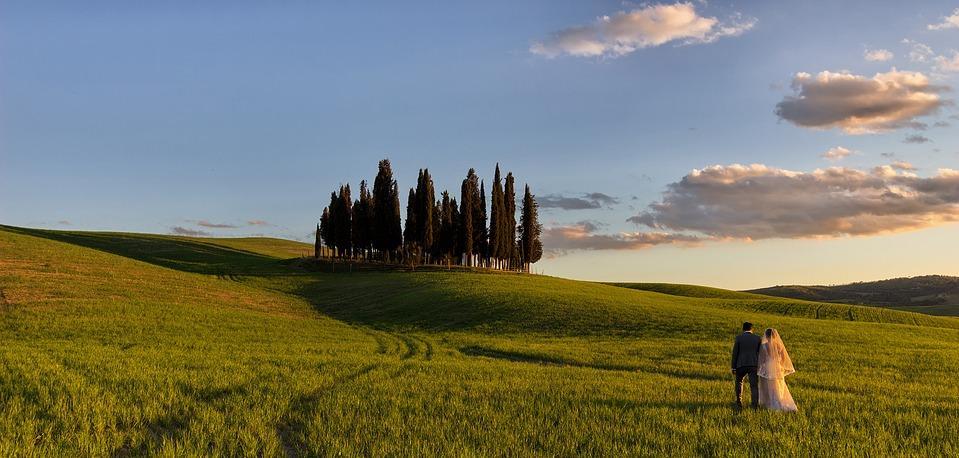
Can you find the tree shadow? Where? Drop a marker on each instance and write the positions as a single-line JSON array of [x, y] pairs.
[[554, 360], [165, 251]]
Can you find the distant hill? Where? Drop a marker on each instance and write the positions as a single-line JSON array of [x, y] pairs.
[[930, 294], [677, 289]]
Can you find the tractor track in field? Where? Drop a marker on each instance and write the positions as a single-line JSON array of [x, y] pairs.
[[403, 351], [4, 302]]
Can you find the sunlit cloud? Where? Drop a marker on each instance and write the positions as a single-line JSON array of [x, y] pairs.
[[948, 22], [836, 153], [858, 104], [903, 165], [258, 222], [650, 26], [761, 202], [878, 55]]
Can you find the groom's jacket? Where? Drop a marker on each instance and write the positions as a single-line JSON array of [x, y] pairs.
[[746, 350]]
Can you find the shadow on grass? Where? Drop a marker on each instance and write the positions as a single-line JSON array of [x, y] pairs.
[[170, 252], [553, 360]]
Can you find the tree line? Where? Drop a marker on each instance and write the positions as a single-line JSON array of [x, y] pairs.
[[437, 230]]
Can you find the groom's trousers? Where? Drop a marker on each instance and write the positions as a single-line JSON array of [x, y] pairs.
[[741, 373]]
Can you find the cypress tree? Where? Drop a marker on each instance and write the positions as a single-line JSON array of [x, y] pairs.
[[325, 229], [482, 240], [496, 219], [344, 222], [466, 232], [409, 232], [317, 244], [396, 234], [436, 251], [509, 221], [531, 247], [330, 236], [386, 233], [455, 248], [425, 220], [363, 222]]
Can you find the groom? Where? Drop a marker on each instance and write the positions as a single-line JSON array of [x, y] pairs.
[[745, 362]]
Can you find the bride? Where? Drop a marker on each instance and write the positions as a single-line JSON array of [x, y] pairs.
[[774, 366]]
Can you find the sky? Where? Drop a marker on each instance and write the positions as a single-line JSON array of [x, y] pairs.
[[732, 144]]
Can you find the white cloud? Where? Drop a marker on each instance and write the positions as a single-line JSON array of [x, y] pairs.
[[650, 26], [919, 52], [948, 22], [761, 202], [878, 55], [858, 104], [948, 64], [836, 153]]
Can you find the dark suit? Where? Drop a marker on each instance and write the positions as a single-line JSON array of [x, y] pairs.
[[745, 362]]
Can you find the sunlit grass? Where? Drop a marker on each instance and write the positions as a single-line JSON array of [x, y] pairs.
[[129, 344]]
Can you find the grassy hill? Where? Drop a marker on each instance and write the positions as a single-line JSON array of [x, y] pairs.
[[675, 289], [931, 294], [131, 344]]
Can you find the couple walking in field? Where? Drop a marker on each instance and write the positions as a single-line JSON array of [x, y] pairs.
[[766, 363]]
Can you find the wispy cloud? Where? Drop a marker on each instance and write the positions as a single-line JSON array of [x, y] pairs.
[[858, 104], [179, 230], [948, 22], [63, 222], [204, 223], [948, 64], [585, 235], [258, 222], [761, 202], [654, 25], [916, 139], [586, 201], [918, 52]]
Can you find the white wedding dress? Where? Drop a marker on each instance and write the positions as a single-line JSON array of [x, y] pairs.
[[774, 366]]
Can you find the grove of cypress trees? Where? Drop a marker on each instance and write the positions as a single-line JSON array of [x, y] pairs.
[[531, 248]]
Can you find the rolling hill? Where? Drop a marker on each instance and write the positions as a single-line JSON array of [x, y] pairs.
[[132, 344], [931, 294]]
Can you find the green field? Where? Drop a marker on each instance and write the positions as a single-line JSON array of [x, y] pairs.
[[131, 344]]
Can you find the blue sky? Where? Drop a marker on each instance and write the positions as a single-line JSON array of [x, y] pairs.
[[147, 117]]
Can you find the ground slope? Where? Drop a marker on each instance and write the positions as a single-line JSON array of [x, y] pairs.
[[130, 344], [931, 294]]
